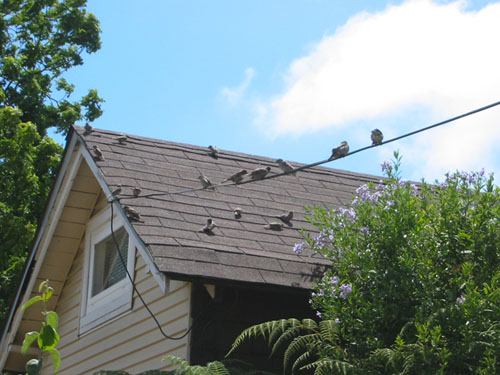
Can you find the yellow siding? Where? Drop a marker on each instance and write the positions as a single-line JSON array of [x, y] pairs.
[[132, 341]]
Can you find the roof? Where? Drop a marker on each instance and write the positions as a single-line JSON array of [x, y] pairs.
[[238, 249]]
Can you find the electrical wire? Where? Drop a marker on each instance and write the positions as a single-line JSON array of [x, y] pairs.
[[308, 166], [137, 291]]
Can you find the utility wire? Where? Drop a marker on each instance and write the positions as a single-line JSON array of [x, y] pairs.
[[137, 291], [308, 166]]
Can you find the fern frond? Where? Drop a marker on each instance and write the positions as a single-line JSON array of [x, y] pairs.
[[286, 337], [298, 346], [327, 366], [217, 368], [272, 331], [301, 359], [281, 327], [329, 330]]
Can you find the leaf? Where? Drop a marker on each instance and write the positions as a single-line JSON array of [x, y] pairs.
[[29, 337], [217, 368], [31, 302], [52, 319], [43, 285], [48, 338], [48, 293], [56, 358]]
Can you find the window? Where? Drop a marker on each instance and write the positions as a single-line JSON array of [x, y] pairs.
[[106, 290]]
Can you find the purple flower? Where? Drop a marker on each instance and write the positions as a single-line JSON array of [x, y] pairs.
[[318, 314], [297, 249], [460, 300], [345, 289], [337, 320], [364, 230], [385, 165]]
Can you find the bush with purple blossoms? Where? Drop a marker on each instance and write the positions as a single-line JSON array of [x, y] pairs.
[[415, 277]]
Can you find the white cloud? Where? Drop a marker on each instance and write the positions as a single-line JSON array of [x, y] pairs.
[[235, 95], [420, 54]]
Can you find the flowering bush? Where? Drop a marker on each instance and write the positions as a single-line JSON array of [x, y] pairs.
[[415, 280]]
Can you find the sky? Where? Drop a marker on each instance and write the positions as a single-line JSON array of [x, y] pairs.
[[292, 79]]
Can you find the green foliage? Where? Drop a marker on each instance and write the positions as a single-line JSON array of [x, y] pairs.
[[224, 367], [47, 338], [414, 286], [303, 342], [39, 42]]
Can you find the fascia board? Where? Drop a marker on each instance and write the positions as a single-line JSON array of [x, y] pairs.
[[60, 191]]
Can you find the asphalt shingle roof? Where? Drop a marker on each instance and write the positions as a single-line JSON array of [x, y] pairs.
[[239, 249]]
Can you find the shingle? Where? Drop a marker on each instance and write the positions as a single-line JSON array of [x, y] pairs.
[[239, 249]]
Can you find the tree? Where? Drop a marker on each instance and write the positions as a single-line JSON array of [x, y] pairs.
[[39, 41], [414, 286]]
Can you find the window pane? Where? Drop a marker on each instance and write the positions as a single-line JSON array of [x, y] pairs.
[[108, 268]]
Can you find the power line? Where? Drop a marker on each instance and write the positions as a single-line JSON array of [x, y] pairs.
[[249, 181], [137, 291], [308, 166]]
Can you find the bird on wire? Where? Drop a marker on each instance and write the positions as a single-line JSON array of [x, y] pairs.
[[285, 166], [259, 173], [377, 137], [340, 151], [237, 177]]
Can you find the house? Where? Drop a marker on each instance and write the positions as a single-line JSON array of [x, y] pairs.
[[202, 286]]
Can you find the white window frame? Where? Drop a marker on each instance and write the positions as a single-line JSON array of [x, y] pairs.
[[116, 299]]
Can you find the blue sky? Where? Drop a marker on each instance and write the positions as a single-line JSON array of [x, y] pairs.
[[291, 79]]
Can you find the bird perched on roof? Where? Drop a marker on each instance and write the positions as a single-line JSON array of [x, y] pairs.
[[340, 151], [260, 173], [205, 182], [286, 217], [88, 128], [117, 191], [237, 177], [209, 226], [98, 153], [122, 139], [132, 214], [136, 191], [213, 151], [285, 166], [274, 226], [237, 212], [377, 137]]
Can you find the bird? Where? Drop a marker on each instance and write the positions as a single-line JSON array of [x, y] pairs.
[[377, 137], [122, 139], [205, 182], [237, 212], [260, 173], [214, 151], [286, 217], [339, 151], [209, 226], [237, 177], [136, 191], [285, 166], [274, 226], [88, 128], [98, 153], [132, 214], [117, 191]]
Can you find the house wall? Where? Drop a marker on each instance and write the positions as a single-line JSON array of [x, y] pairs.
[[131, 342]]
